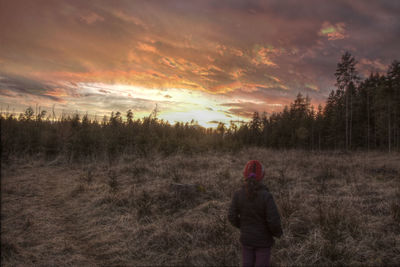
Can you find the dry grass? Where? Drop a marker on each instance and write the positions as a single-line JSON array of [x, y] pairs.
[[336, 209]]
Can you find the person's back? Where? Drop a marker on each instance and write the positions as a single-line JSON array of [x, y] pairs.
[[254, 212]]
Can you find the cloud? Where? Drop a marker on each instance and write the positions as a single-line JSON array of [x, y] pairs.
[[239, 49], [367, 66], [333, 32], [128, 18], [91, 18], [146, 47], [22, 85], [246, 109], [263, 55], [104, 91]]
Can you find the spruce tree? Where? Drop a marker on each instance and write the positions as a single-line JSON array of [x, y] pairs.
[[346, 81]]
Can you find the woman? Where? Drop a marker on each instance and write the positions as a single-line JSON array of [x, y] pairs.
[[254, 212]]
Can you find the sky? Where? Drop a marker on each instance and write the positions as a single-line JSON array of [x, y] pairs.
[[208, 60]]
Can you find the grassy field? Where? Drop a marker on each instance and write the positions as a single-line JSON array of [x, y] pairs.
[[336, 209]]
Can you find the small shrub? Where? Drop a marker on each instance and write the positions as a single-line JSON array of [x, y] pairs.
[[222, 238], [282, 180], [337, 222], [225, 174], [395, 207], [112, 180], [331, 223], [335, 254], [325, 175], [87, 176], [143, 205], [77, 190], [287, 205], [138, 170], [8, 250], [174, 173], [384, 173]]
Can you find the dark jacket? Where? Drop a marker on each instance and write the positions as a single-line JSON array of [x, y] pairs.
[[258, 220]]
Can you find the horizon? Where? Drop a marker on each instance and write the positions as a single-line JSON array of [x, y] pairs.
[[55, 114], [204, 61]]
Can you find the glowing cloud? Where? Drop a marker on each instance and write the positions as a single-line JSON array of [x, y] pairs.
[[333, 32], [263, 55], [311, 86], [174, 104], [146, 48]]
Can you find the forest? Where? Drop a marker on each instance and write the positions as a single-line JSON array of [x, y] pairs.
[[358, 115]]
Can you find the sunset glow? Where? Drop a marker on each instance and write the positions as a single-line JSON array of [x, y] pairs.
[[203, 60]]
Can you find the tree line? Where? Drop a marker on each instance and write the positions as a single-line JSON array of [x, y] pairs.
[[359, 114]]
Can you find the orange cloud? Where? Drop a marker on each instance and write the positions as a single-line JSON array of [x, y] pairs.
[[333, 31], [210, 59], [169, 62], [252, 87], [147, 48], [224, 88], [263, 55], [186, 67], [237, 73], [128, 18], [221, 49], [147, 78], [276, 79], [237, 52]]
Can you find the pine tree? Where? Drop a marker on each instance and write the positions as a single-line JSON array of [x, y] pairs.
[[393, 83], [319, 125], [264, 127], [346, 80], [255, 128]]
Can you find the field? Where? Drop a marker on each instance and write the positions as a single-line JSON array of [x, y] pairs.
[[336, 209]]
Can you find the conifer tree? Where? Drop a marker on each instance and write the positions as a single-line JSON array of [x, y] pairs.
[[393, 83], [346, 80]]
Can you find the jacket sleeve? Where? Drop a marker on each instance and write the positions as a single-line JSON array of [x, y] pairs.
[[234, 211], [273, 218]]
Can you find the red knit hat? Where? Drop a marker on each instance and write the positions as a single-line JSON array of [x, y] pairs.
[[254, 169]]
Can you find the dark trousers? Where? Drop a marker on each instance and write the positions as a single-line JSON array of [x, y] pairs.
[[256, 256]]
